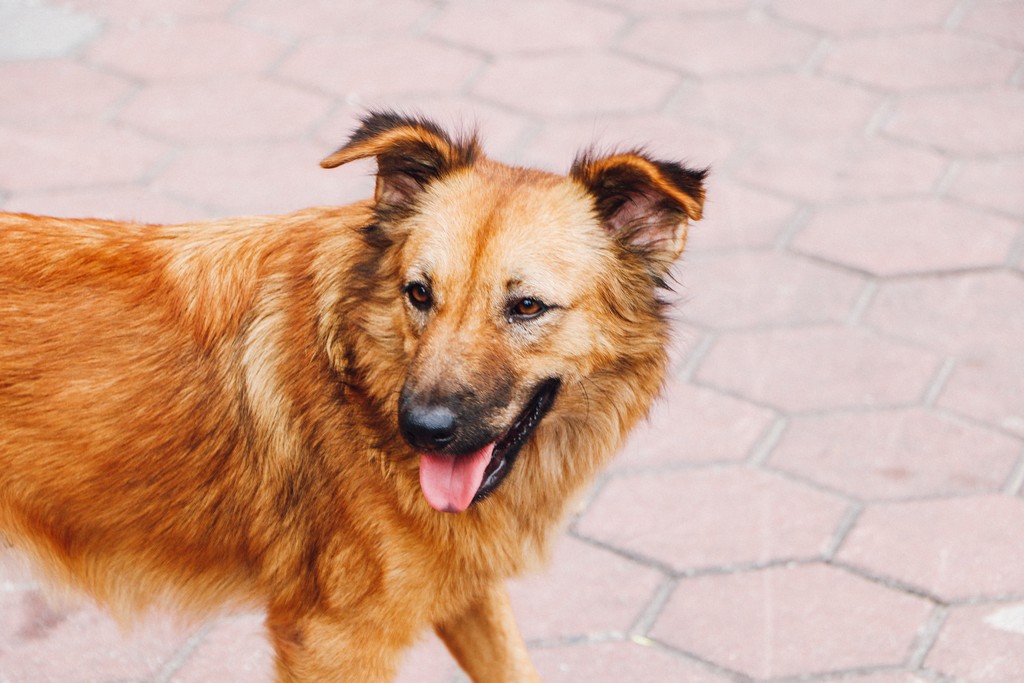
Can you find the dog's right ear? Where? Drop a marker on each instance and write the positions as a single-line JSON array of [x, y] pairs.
[[411, 153]]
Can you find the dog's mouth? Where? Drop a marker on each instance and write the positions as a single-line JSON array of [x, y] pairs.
[[451, 483]]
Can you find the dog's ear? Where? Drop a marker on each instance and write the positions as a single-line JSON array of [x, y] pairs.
[[645, 203], [411, 153]]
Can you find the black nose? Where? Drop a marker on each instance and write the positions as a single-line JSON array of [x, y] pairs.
[[427, 427]]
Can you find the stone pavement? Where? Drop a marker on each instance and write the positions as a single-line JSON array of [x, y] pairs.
[[831, 489]]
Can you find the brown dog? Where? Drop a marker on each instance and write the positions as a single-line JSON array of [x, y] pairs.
[[280, 411]]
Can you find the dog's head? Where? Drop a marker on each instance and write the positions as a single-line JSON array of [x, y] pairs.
[[500, 288]]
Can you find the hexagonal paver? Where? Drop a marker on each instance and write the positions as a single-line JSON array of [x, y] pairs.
[[597, 592], [35, 30], [719, 45], [993, 183], [896, 454], [865, 15], [134, 204], [692, 424], [224, 110], [839, 169], [666, 137], [818, 368], [57, 90], [235, 649], [614, 662], [988, 387], [45, 643], [526, 26], [976, 314], [339, 65], [716, 517], [737, 216], [582, 82], [927, 60], [785, 104], [305, 18], [751, 289], [957, 549], [983, 643], [968, 123], [791, 621], [74, 155], [263, 178], [906, 237], [155, 51], [1001, 20]]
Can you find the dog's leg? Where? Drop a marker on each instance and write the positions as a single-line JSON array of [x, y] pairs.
[[320, 648], [485, 640]]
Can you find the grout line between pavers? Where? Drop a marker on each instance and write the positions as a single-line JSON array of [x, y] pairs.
[[938, 383], [653, 609], [863, 302], [1015, 481], [696, 357], [179, 658], [957, 15], [842, 532], [767, 442], [927, 635], [797, 222], [816, 57], [946, 180]]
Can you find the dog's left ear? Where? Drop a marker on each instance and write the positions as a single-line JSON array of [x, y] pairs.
[[411, 153], [645, 203]]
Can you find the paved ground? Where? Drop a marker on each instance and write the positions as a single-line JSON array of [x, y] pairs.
[[831, 490]]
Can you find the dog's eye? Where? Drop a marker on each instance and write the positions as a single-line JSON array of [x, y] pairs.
[[527, 308], [419, 296]]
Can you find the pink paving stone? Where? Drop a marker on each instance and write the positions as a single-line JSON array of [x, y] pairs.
[[968, 123], [125, 204], [1001, 20], [355, 67], [737, 216], [224, 109], [234, 651], [972, 314], [694, 519], [750, 289], [988, 388], [719, 45], [58, 90], [927, 60], [584, 591], [159, 11], [582, 82], [907, 237], [981, 644], [264, 178], [956, 549], [791, 621], [73, 155], [617, 662], [155, 52], [693, 424], [526, 26], [664, 137], [428, 661], [896, 454], [307, 18], [44, 644], [993, 183], [785, 104], [881, 678], [836, 169], [817, 368], [865, 15]]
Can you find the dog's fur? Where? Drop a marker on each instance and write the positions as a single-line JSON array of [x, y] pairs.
[[209, 414]]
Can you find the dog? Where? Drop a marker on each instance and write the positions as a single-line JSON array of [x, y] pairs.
[[361, 419]]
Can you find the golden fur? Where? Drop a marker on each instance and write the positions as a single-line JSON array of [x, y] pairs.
[[205, 414]]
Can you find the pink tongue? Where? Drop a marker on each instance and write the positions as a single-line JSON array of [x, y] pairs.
[[448, 482]]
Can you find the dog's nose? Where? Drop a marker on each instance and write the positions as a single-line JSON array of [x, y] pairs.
[[428, 427]]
